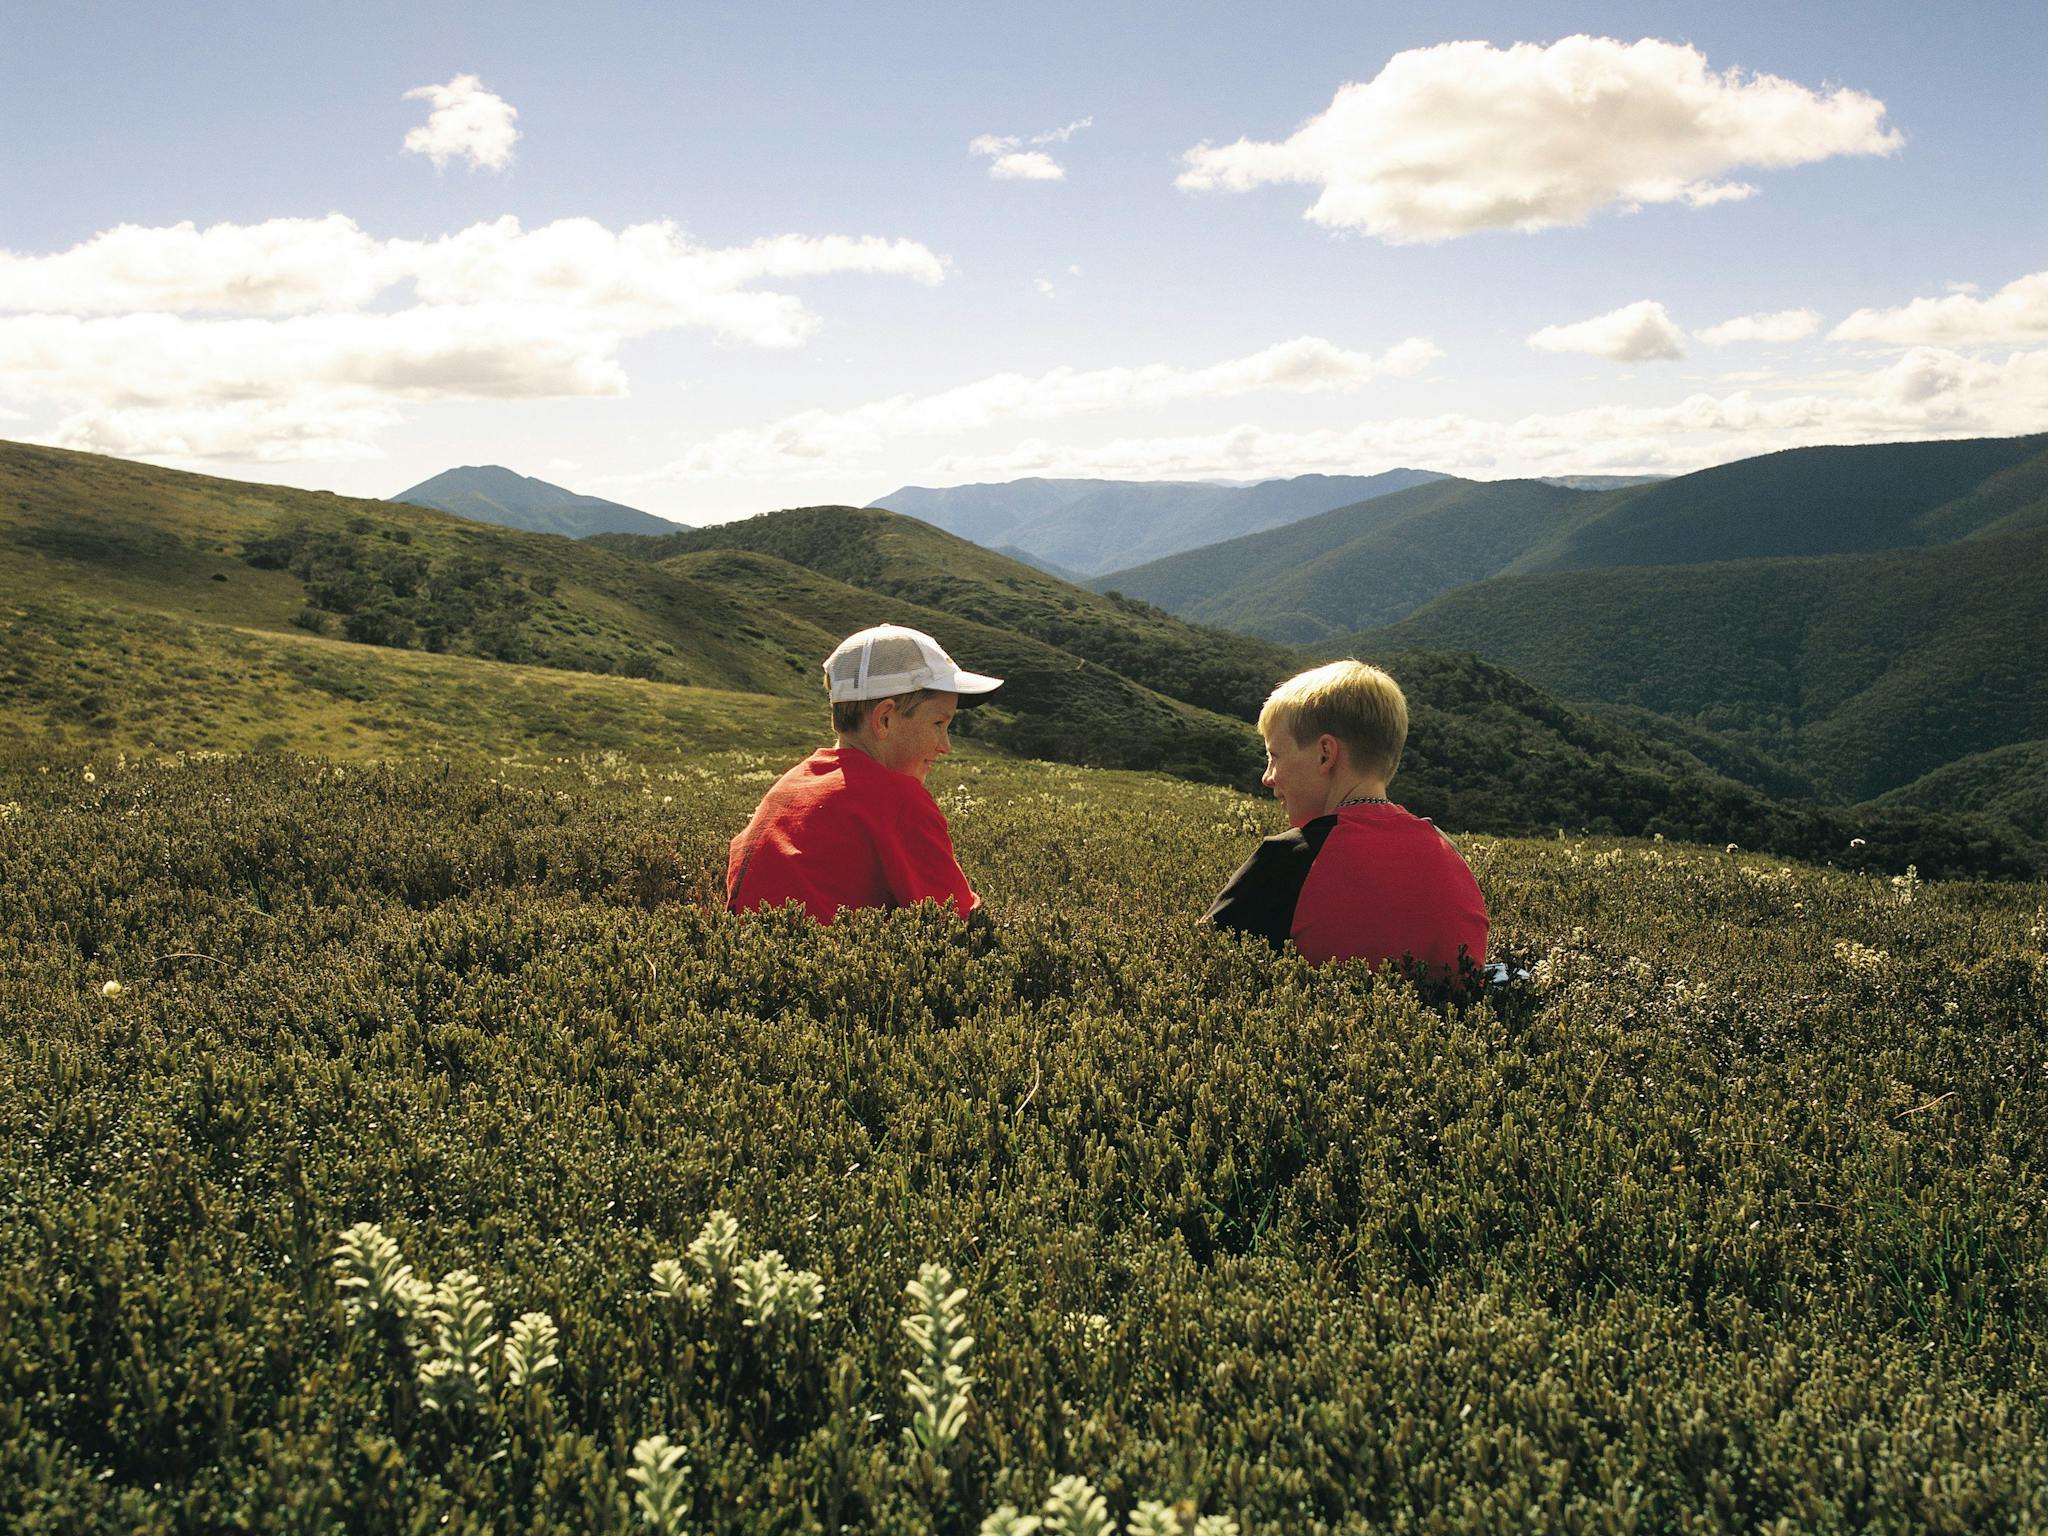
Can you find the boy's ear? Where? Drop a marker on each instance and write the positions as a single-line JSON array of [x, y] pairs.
[[880, 716]]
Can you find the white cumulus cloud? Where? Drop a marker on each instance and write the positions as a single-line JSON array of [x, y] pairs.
[[1636, 333], [819, 442], [467, 123], [280, 266], [1014, 157], [1027, 165], [240, 341], [2017, 312], [1462, 137], [1779, 325]]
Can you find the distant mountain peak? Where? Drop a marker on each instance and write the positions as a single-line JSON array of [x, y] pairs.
[[491, 493]]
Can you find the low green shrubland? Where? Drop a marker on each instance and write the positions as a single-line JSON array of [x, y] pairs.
[[1730, 1218]]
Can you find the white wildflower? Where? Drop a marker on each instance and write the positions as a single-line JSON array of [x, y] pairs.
[[457, 1365], [111, 989], [939, 1386], [659, 1469], [1074, 1508], [770, 1291], [530, 1350], [374, 1280]]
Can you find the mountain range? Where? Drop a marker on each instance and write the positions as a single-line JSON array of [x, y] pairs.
[[490, 493], [154, 610], [1085, 527], [1371, 563]]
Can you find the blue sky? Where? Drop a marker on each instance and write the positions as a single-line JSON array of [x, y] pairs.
[[711, 260]]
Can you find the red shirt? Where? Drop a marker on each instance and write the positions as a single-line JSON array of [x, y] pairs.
[[1388, 884], [1367, 882], [840, 830]]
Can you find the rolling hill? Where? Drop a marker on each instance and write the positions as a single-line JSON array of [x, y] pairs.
[[1092, 526], [911, 562], [490, 493], [79, 530], [150, 611], [1360, 567]]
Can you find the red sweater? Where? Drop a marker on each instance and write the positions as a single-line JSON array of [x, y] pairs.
[[840, 830], [1368, 882]]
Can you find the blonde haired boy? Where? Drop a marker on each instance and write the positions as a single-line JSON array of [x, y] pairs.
[[1355, 877], [853, 825]]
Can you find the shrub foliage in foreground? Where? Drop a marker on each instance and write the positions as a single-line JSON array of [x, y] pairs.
[[1732, 1217]]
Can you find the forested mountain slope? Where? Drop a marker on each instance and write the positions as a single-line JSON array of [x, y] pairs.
[[1356, 566], [1867, 671], [1810, 501]]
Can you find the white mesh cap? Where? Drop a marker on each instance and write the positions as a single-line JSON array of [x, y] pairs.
[[887, 660]]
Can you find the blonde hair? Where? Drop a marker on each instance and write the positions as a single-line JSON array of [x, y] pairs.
[[1359, 705]]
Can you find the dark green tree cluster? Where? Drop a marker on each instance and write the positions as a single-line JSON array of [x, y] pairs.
[[386, 592]]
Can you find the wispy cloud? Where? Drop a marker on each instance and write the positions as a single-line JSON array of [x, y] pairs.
[[467, 123], [1013, 157], [261, 342], [1636, 333], [1929, 393], [831, 442], [2017, 312], [1779, 325], [1463, 137]]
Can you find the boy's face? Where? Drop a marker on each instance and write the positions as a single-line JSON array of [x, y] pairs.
[[911, 743], [1295, 774]]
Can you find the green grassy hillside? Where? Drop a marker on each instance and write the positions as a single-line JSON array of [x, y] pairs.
[[135, 537], [83, 536], [902, 558], [1728, 1219], [1357, 566], [1865, 672]]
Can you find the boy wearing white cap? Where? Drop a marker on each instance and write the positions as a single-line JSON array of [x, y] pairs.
[[852, 825]]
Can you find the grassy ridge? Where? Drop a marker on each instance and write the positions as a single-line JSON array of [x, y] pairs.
[[900, 557], [1730, 1218]]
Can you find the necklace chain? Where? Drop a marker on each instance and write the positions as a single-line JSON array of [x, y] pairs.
[[1364, 800]]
